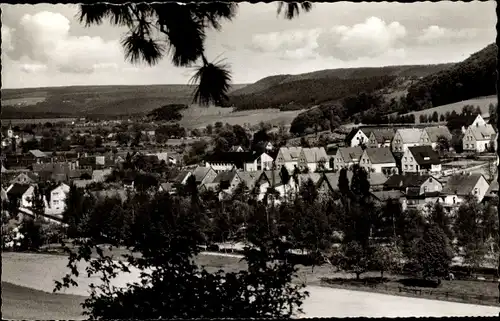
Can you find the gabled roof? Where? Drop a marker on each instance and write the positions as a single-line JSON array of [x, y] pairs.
[[486, 132], [200, 172], [181, 176], [493, 189], [375, 179], [167, 187], [38, 153], [425, 155], [461, 184], [18, 190], [434, 132], [410, 135], [227, 176], [404, 181], [290, 153], [387, 195], [354, 131], [277, 177], [380, 155], [383, 135], [315, 154], [350, 154], [250, 178], [315, 177], [235, 148]]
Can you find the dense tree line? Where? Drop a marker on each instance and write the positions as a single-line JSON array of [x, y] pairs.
[[474, 77], [171, 112]]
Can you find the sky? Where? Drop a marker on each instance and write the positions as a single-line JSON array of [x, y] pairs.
[[44, 45]]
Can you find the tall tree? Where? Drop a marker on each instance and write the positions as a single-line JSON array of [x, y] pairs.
[[157, 29], [285, 179]]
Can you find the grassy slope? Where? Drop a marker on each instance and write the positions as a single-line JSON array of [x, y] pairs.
[[482, 102]]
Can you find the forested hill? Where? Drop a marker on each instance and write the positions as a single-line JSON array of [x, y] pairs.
[[473, 77], [306, 90]]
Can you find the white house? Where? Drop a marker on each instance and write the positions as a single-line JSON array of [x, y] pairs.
[[420, 159], [258, 162], [404, 138], [313, 158], [57, 202], [479, 138], [430, 135], [288, 157], [378, 160], [357, 138], [22, 192], [458, 187], [346, 157], [478, 121]]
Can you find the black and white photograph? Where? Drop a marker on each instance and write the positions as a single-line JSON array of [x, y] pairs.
[[215, 160]]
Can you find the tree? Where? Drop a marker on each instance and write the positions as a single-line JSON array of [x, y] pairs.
[[435, 117], [442, 118], [386, 258], [443, 144], [78, 206], [180, 29], [440, 218], [37, 202], [352, 257], [422, 118], [285, 178], [166, 232]]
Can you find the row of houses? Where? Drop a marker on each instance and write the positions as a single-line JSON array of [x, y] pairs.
[[478, 137]]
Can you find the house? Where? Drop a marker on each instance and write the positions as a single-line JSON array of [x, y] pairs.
[[472, 121], [23, 193], [253, 180], [39, 155], [181, 178], [288, 157], [458, 187], [259, 161], [420, 159], [478, 138], [82, 183], [378, 160], [56, 203], [25, 178], [100, 175], [203, 175], [167, 188], [236, 149], [314, 159], [227, 181], [274, 179], [404, 138], [265, 146], [356, 137], [329, 182], [431, 135], [382, 197], [345, 157], [417, 190], [226, 161], [380, 138]]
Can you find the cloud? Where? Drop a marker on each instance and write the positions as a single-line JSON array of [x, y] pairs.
[[290, 44], [434, 35], [32, 68], [6, 39], [44, 38], [372, 38]]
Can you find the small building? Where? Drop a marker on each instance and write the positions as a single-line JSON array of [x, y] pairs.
[[431, 135], [25, 178], [236, 149], [479, 138], [378, 160], [420, 159], [288, 157], [227, 181], [458, 187], [226, 161], [345, 157], [404, 138], [204, 175], [356, 137], [329, 182], [380, 138], [472, 121], [314, 159], [56, 204], [23, 193], [259, 161]]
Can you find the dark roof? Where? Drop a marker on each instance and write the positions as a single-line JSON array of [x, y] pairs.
[[461, 184], [18, 189], [235, 158], [181, 176], [224, 177], [382, 135], [425, 155], [402, 182], [380, 155]]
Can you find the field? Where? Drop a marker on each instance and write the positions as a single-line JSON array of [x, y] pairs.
[[196, 117], [482, 102], [25, 276]]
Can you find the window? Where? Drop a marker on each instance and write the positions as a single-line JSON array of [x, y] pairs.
[[55, 194], [476, 191], [406, 166], [406, 158], [411, 166], [56, 202], [454, 199]]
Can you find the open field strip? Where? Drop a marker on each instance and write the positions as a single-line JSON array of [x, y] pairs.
[[38, 272]]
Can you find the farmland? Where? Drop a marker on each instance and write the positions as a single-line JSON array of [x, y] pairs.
[[482, 102]]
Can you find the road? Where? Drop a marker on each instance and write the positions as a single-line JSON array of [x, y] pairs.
[[38, 271]]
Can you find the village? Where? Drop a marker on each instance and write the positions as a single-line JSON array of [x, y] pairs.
[[415, 165]]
